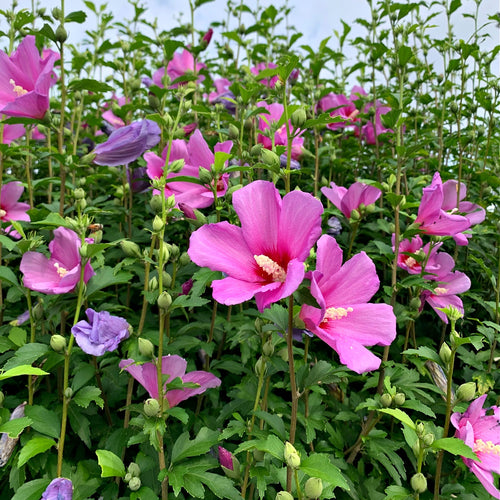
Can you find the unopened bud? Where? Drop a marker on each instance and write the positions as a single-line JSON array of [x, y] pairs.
[[156, 203], [184, 259], [128, 477], [292, 458], [420, 429], [38, 310], [270, 158], [134, 484], [177, 165], [454, 109], [313, 487], [428, 439], [233, 132], [418, 483], [79, 193], [151, 407], [256, 150], [154, 102], [283, 495], [174, 252], [61, 34], [386, 400], [167, 279], [260, 367], [467, 391], [68, 393], [268, 348], [298, 118], [58, 343], [81, 204], [153, 283], [399, 399], [158, 224], [164, 300], [130, 249], [134, 469], [445, 353], [355, 215], [146, 347], [415, 304], [205, 176]]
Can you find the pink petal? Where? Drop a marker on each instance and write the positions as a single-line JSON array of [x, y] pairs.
[[486, 479], [11, 192], [204, 379], [450, 189], [38, 273], [199, 152], [335, 194], [64, 248], [145, 374], [155, 165], [230, 291], [174, 366], [328, 256]]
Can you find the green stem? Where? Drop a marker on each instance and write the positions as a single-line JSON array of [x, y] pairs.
[[32, 340]]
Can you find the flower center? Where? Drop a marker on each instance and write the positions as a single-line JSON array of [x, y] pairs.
[[440, 291], [61, 271], [18, 90], [486, 447], [336, 313], [3, 213], [411, 262], [274, 270]]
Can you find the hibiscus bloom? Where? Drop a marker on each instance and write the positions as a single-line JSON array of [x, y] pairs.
[[340, 106], [25, 80], [265, 256], [347, 200], [196, 154], [413, 253], [268, 82], [59, 489], [481, 432], [10, 208], [343, 319], [61, 272], [181, 64], [280, 136], [175, 367], [222, 95]]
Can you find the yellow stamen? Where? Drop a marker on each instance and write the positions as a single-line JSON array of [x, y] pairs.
[[440, 291], [61, 271], [268, 265], [486, 447], [410, 262], [3, 213], [18, 90], [337, 312]]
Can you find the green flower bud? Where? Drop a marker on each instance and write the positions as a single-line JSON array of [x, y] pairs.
[[355, 215], [134, 484], [184, 259], [58, 343], [445, 353], [176, 166], [130, 249], [256, 150], [298, 118], [454, 109], [87, 159], [156, 203], [56, 13], [205, 176], [2, 397], [164, 300], [134, 469], [38, 310], [81, 204], [97, 236], [146, 347], [420, 429], [233, 132], [268, 348], [270, 158], [416, 448], [128, 477], [386, 400], [61, 34], [153, 283], [158, 224], [283, 354], [467, 391], [292, 457], [167, 279], [79, 193], [174, 252], [283, 495], [313, 487], [415, 304], [154, 102], [258, 325], [399, 399], [418, 483], [168, 121], [260, 366], [151, 407], [428, 439], [68, 393]]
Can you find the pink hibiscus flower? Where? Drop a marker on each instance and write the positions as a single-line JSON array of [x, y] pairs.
[[340, 106], [173, 366], [268, 82], [180, 64], [344, 320], [413, 253], [265, 256], [481, 432], [10, 208], [347, 200]]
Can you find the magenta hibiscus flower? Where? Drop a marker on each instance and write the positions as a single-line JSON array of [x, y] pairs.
[[344, 320], [268, 82], [173, 366], [61, 272], [10, 208], [181, 63], [25, 80], [347, 200], [265, 256], [481, 432], [339, 105], [413, 253]]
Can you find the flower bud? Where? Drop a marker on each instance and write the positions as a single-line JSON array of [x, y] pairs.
[[313, 487], [134, 484], [134, 469], [58, 343], [130, 249], [38, 310], [167, 279], [68, 393], [176, 166], [97, 236], [260, 366], [418, 483], [174, 252], [154, 102], [445, 353], [283, 495], [146, 347], [79, 193], [233, 132], [2, 397], [184, 259], [165, 252], [164, 300], [415, 304], [270, 158], [453, 107], [156, 203], [61, 34], [153, 283], [205, 176], [81, 204], [355, 215], [268, 348], [292, 457], [128, 477], [386, 400], [420, 429], [256, 150], [467, 391], [151, 407], [158, 224], [428, 439], [298, 118], [399, 399]]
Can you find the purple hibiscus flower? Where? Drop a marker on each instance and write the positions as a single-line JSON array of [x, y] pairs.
[[59, 489]]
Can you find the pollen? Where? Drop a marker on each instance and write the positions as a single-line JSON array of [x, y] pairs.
[[440, 291], [18, 90], [274, 270], [411, 262], [486, 447], [61, 271], [337, 312], [3, 213]]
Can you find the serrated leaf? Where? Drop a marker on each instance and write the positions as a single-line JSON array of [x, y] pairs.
[[105, 277], [34, 447], [319, 465], [26, 355], [111, 465], [21, 370], [220, 486], [89, 84], [184, 447], [455, 446], [425, 353], [44, 420], [88, 394], [15, 426], [400, 415]]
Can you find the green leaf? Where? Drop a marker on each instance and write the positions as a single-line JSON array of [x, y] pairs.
[[26, 355], [33, 447], [404, 55], [18, 337], [88, 394], [7, 274], [105, 277], [32, 490], [400, 415], [7, 243], [425, 353], [111, 465], [143, 493], [89, 84], [21, 370], [455, 446], [184, 447], [319, 465], [220, 159], [221, 487], [44, 420], [15, 426], [76, 17]]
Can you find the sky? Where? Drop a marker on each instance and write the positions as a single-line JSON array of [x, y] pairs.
[[316, 19]]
